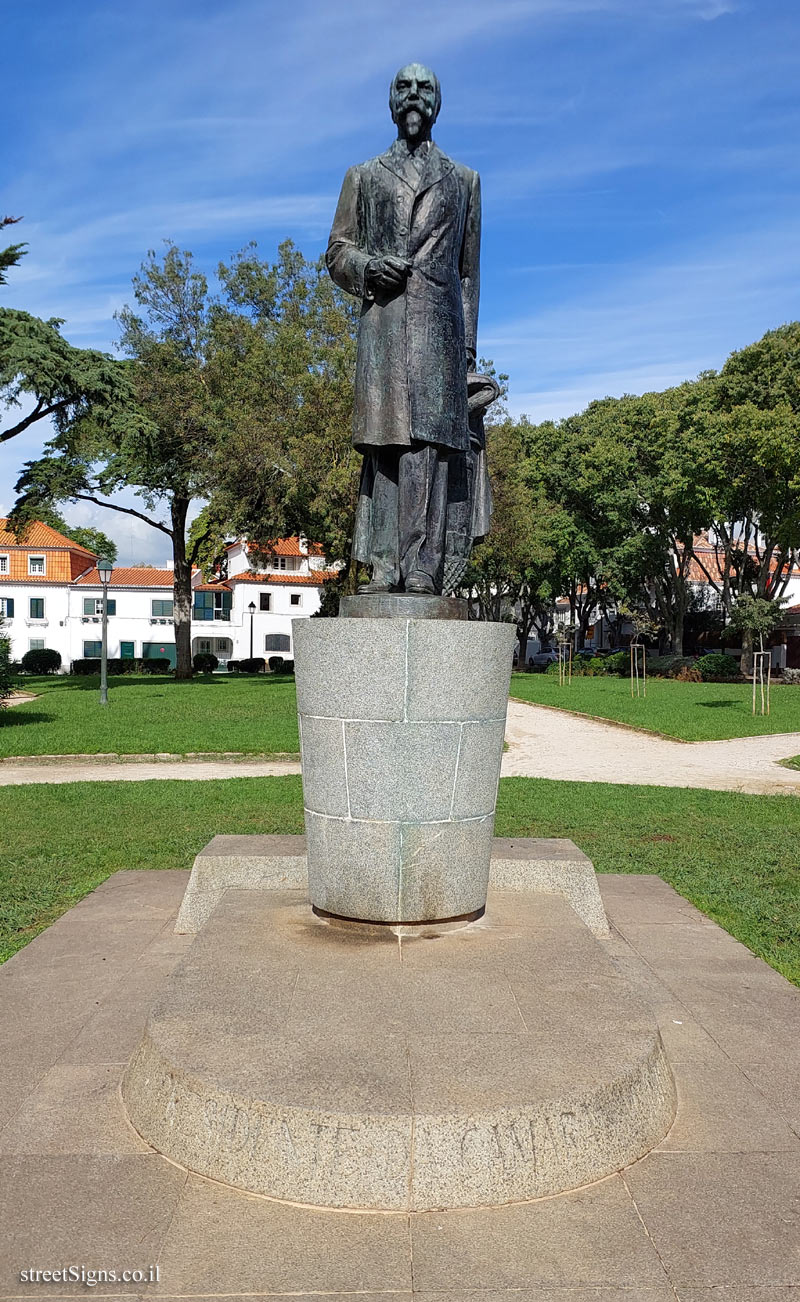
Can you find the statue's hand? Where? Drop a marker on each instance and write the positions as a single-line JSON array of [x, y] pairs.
[[387, 274]]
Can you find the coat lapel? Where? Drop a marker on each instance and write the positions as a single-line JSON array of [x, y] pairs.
[[398, 161], [437, 166]]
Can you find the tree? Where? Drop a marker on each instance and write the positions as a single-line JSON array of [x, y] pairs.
[[748, 451], [38, 365], [670, 501], [164, 448], [241, 403], [10, 256], [94, 540], [289, 334], [513, 574], [587, 471], [756, 617]]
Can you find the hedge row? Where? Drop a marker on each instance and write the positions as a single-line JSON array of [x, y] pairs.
[[715, 667], [258, 665], [160, 665]]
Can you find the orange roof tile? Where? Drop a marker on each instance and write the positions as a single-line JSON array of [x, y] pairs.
[[212, 587], [39, 534], [285, 547], [315, 579], [130, 576]]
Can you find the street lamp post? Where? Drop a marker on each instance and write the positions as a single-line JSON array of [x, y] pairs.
[[104, 569], [252, 609]]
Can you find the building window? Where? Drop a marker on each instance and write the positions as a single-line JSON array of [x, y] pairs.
[[126, 651], [204, 645], [276, 642], [36, 565], [7, 607], [294, 599], [212, 605], [37, 607], [223, 646], [94, 605], [161, 609], [282, 563], [263, 600], [36, 644], [3, 565], [92, 650]]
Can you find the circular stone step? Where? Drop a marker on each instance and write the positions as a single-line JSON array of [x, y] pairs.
[[324, 1065]]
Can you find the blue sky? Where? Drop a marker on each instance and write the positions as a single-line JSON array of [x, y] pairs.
[[639, 161]]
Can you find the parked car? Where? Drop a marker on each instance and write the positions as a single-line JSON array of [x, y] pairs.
[[541, 659]]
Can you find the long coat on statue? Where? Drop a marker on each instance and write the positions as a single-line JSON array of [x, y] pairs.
[[411, 372]]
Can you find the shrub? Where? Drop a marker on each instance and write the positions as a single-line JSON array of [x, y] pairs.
[[43, 661], [233, 666], [117, 666], [595, 667], [276, 664], [688, 674], [669, 666], [552, 668], [717, 667], [791, 677], [204, 662], [619, 662], [85, 667], [255, 666], [159, 665], [6, 672]]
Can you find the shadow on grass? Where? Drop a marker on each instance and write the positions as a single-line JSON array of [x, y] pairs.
[[717, 705], [16, 716]]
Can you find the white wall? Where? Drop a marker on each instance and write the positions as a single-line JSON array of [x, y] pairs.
[[22, 630]]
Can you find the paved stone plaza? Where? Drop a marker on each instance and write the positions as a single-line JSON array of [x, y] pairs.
[[711, 1215]]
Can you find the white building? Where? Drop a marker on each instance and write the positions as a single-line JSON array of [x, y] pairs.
[[51, 596]]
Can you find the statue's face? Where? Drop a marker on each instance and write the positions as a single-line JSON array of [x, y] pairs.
[[415, 98]]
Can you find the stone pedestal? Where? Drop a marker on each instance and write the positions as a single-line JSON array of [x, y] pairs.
[[343, 1066], [401, 733]]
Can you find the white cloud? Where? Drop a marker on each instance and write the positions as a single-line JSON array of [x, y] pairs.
[[647, 327]]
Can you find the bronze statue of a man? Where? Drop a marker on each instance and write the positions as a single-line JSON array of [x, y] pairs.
[[406, 240]]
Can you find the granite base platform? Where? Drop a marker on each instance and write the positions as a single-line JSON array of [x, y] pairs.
[[549, 865], [706, 1216], [341, 1066]]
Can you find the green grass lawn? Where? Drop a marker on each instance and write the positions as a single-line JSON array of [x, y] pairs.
[[147, 714], [256, 715], [688, 711], [734, 856]]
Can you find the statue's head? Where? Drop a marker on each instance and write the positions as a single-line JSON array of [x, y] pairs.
[[415, 98]]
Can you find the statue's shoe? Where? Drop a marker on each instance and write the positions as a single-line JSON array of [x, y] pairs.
[[370, 589], [422, 586]]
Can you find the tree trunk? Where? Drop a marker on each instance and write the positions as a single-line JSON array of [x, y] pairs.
[[523, 633], [746, 662], [182, 590]]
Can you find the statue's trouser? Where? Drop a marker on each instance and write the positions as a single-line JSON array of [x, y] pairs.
[[401, 724], [401, 530]]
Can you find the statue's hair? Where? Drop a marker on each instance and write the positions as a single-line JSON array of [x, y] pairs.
[[434, 79]]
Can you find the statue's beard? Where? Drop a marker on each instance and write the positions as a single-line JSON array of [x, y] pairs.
[[414, 122]]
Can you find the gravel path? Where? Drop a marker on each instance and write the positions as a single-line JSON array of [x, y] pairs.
[[29, 772], [542, 743], [547, 743]]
